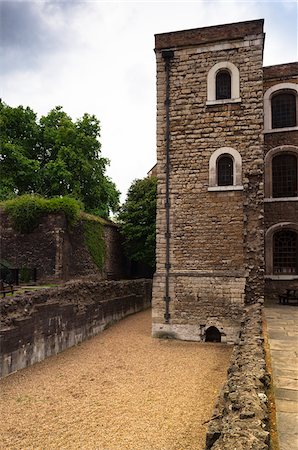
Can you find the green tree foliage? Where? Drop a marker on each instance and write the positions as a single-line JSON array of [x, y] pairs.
[[54, 157], [138, 221]]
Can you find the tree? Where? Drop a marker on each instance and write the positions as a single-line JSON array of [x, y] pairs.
[[138, 221], [55, 157]]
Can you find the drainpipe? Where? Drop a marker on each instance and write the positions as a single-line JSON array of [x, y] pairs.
[[167, 56]]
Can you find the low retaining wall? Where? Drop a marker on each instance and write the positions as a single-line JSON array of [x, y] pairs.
[[240, 417], [37, 325]]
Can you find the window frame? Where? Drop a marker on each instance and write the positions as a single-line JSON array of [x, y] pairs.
[[237, 170], [280, 88], [275, 117], [211, 83], [269, 245], [281, 252], [268, 188]]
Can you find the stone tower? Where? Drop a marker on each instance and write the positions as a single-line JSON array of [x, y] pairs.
[[210, 250]]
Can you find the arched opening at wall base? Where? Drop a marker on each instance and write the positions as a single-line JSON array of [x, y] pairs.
[[212, 334]]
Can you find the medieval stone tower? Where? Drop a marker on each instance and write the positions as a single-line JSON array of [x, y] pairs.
[[210, 170]]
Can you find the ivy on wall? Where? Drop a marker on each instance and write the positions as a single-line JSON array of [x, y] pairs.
[[94, 239], [26, 211]]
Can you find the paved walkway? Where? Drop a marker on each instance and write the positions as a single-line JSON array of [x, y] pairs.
[[282, 326]]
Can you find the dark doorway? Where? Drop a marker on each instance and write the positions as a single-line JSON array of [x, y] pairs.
[[213, 335]]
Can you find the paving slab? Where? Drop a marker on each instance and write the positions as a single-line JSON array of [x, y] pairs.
[[288, 443], [286, 394], [282, 327], [286, 382], [286, 406]]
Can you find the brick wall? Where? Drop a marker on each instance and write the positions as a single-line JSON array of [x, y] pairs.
[[277, 211]]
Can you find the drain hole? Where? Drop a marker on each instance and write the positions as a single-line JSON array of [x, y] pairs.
[[213, 335]]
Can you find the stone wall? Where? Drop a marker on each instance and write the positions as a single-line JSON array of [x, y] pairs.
[[45, 248], [240, 416], [200, 303], [60, 253], [37, 325], [218, 234]]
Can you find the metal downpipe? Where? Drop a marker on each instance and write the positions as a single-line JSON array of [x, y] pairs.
[[167, 56]]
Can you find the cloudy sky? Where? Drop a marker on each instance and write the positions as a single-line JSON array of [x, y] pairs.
[[97, 57]]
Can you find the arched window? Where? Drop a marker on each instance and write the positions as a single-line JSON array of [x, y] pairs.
[[281, 107], [284, 176], [223, 85], [285, 252], [225, 171], [283, 110]]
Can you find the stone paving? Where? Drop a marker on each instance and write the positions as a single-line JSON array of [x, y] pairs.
[[282, 327]]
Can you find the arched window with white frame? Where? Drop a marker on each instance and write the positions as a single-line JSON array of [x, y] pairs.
[[223, 84], [225, 170]]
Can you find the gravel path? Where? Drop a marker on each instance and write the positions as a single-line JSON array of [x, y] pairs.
[[119, 390]]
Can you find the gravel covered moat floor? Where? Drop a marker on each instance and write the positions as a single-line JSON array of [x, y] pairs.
[[120, 390]]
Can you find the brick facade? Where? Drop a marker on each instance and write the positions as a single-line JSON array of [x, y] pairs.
[[210, 239]]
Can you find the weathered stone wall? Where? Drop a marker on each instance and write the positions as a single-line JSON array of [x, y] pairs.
[[37, 325], [45, 248], [115, 264], [212, 234], [240, 416], [79, 260], [60, 253], [202, 302]]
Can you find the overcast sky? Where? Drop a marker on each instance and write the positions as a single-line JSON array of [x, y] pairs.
[[97, 57]]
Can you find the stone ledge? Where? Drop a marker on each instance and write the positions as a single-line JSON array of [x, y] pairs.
[[240, 417]]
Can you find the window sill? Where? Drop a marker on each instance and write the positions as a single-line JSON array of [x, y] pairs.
[[281, 277], [281, 199], [224, 188], [223, 102], [280, 130]]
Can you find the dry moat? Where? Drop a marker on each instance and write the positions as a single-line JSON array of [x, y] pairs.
[[120, 390]]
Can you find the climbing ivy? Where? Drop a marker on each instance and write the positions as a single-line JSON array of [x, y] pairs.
[[94, 239]]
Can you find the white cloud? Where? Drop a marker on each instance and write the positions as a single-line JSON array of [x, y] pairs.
[[103, 63]]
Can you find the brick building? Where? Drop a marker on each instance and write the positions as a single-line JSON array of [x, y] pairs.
[[227, 152]]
